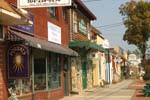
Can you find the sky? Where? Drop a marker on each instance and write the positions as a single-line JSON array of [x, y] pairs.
[[107, 13]]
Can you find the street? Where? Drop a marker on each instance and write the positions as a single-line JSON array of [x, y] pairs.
[[117, 91]]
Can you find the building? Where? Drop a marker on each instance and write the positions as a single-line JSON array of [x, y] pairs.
[[80, 18], [118, 64], [99, 59], [38, 56], [7, 11]]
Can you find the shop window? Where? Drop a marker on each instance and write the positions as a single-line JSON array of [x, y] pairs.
[[39, 74], [75, 22], [19, 86], [54, 71], [1, 32], [53, 11], [40, 71]]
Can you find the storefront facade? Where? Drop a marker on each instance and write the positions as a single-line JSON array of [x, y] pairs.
[[44, 72], [7, 12], [98, 58], [80, 19]]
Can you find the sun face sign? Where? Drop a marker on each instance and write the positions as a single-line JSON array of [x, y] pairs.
[[18, 61]]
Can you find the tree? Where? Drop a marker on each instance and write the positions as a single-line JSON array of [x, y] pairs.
[[137, 22]]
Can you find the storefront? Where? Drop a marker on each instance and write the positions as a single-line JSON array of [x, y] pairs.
[[83, 65], [43, 73]]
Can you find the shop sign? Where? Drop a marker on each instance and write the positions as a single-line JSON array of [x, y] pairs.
[[26, 28], [18, 62], [54, 33], [82, 27], [42, 3]]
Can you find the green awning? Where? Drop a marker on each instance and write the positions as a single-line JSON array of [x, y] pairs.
[[87, 44]]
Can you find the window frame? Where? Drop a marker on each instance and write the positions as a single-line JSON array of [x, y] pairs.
[[2, 38], [75, 23], [53, 12], [64, 14], [50, 70]]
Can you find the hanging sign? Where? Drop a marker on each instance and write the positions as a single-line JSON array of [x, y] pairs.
[[18, 62], [42, 3]]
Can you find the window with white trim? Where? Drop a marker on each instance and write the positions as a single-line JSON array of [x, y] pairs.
[[53, 12], [88, 31], [64, 14], [75, 22]]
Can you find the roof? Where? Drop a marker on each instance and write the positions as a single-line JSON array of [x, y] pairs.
[[85, 9], [7, 11], [43, 44], [87, 44], [96, 31]]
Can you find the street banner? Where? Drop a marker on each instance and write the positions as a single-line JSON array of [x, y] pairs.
[[18, 62], [42, 3]]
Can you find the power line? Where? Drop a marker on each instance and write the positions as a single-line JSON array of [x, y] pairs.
[[110, 25], [90, 0]]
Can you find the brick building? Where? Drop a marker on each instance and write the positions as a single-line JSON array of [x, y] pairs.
[[35, 59]]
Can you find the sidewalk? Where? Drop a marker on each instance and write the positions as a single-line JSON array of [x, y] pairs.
[[138, 86], [117, 91]]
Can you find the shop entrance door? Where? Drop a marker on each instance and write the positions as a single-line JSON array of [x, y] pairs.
[[84, 75], [65, 76]]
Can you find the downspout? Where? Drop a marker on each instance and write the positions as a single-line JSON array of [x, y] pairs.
[[70, 25]]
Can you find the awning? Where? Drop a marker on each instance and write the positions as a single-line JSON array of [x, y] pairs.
[[44, 45], [87, 44], [12, 16]]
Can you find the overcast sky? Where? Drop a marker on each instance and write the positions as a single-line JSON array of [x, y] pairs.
[[107, 13]]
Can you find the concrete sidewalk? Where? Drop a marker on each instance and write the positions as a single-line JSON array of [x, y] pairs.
[[117, 91]]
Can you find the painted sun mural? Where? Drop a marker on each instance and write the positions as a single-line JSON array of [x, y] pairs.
[[18, 63]]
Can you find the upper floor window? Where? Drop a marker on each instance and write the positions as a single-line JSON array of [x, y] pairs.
[[53, 12], [64, 14], [1, 32], [88, 31], [75, 22]]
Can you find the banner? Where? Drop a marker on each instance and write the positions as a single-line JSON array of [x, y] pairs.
[[42, 3], [18, 62]]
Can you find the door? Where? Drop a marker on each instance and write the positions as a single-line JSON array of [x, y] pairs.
[[65, 76], [84, 75]]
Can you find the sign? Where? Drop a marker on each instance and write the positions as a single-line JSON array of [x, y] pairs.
[[54, 33], [27, 28], [132, 57], [82, 27], [18, 60], [42, 3]]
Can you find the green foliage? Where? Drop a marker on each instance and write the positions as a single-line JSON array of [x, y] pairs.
[[137, 21]]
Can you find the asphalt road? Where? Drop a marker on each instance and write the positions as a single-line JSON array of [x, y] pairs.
[[117, 91]]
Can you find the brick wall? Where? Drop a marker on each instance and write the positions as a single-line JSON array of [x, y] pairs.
[[3, 86]]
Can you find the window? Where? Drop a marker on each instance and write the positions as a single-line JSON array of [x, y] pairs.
[[39, 70], [53, 12], [75, 22], [88, 31], [54, 71], [1, 33], [64, 14], [19, 86]]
